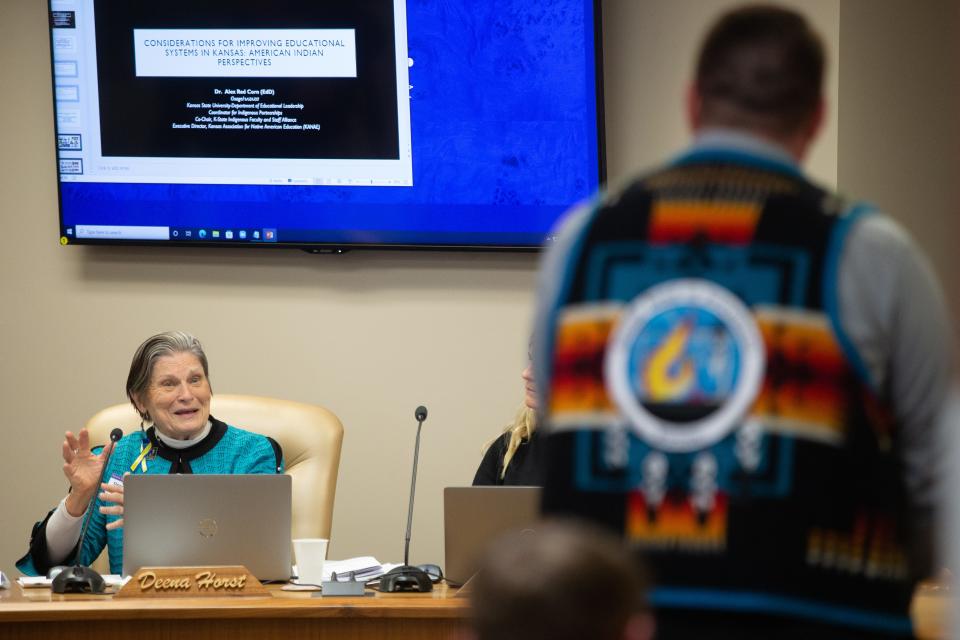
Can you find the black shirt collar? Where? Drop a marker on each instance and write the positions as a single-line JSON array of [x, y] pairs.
[[181, 456]]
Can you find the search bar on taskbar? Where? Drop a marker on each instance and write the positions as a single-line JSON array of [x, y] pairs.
[[110, 232]]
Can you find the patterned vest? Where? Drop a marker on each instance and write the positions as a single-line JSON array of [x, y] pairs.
[[704, 400]]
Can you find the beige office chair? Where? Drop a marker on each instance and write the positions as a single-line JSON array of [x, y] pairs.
[[310, 437]]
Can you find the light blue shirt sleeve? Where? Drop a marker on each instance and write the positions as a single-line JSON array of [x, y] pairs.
[[894, 313]]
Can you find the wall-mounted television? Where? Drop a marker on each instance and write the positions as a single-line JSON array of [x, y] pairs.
[[324, 124]]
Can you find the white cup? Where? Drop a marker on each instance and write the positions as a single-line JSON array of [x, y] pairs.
[[310, 554]]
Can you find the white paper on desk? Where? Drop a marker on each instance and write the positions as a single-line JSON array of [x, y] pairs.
[[364, 568], [29, 582]]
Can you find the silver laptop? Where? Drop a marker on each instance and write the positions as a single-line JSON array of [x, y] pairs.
[[206, 520], [475, 516]]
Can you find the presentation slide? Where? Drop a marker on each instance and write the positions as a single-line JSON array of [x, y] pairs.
[[204, 78]]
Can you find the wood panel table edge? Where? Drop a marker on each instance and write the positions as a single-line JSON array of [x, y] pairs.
[[36, 613]]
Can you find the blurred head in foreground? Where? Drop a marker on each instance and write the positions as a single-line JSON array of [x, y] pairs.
[[564, 581]]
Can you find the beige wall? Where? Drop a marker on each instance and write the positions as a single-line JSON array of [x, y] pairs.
[[900, 116], [649, 51], [370, 335]]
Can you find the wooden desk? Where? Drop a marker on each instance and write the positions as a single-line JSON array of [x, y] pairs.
[[26, 614], [36, 613]]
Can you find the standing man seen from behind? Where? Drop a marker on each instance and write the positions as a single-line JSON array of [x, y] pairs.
[[742, 371]]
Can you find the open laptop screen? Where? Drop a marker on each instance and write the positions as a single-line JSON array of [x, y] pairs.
[[207, 520], [475, 516]]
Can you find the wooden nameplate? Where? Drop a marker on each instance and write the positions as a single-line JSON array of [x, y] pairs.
[[192, 582]]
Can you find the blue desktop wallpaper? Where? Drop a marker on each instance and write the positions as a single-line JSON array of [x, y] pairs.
[[504, 132]]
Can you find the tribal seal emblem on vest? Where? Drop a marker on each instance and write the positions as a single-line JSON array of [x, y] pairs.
[[685, 364]]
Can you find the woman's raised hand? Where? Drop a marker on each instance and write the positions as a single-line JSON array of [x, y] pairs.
[[82, 469]]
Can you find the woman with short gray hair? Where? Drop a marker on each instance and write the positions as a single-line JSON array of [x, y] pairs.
[[169, 386], [153, 348]]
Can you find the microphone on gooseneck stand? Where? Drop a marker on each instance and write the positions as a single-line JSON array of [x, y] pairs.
[[80, 579], [405, 577]]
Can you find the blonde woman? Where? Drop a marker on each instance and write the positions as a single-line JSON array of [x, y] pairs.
[[515, 457]]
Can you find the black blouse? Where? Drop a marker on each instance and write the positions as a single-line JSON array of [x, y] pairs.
[[526, 468]]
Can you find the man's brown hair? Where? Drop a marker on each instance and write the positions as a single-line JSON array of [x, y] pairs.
[[760, 67]]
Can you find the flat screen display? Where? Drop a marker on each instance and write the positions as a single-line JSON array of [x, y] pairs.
[[324, 124]]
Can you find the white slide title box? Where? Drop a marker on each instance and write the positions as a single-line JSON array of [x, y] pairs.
[[241, 53]]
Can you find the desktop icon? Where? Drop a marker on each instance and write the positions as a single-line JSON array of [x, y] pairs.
[[242, 234], [215, 233], [202, 233], [270, 235], [188, 233], [228, 234], [176, 234], [256, 235]]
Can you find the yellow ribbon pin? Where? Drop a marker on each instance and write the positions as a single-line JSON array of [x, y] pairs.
[[141, 458]]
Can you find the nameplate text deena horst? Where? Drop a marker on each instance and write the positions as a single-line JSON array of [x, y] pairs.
[[192, 582]]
